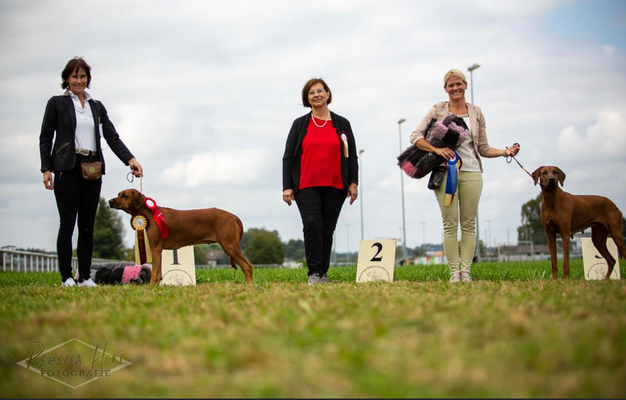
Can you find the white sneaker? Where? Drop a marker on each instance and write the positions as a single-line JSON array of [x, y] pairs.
[[465, 277], [455, 277], [88, 283], [69, 282]]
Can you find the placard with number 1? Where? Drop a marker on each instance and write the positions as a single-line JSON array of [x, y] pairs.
[[376, 260]]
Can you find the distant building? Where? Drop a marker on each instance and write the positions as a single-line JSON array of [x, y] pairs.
[[432, 258]]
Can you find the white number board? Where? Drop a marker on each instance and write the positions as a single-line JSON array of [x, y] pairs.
[[594, 264], [376, 260], [178, 267]]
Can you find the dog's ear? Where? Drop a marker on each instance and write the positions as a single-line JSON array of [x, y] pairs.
[[535, 175], [138, 200], [561, 176]]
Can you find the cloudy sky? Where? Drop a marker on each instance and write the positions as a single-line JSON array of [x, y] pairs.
[[204, 94]]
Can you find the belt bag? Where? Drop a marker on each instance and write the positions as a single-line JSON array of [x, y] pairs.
[[92, 170]]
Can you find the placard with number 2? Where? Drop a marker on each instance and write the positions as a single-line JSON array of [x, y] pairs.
[[376, 260]]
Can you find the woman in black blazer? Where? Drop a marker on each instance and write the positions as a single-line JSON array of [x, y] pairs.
[[320, 170], [78, 122]]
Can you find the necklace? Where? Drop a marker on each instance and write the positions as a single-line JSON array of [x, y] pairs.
[[319, 126]]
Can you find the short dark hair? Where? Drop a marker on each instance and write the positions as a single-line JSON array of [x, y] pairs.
[[73, 65], [307, 87]]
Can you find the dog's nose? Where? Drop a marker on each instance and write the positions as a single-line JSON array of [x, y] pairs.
[[112, 203]]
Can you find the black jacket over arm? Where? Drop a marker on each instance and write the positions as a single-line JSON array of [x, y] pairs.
[[293, 152], [60, 117]]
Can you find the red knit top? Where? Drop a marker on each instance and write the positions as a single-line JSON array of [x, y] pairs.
[[321, 156]]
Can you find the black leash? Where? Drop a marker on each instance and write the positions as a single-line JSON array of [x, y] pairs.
[[508, 160]]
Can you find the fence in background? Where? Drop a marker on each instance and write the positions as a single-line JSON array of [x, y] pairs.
[[26, 261]]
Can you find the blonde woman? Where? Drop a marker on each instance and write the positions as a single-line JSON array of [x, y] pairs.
[[464, 207]]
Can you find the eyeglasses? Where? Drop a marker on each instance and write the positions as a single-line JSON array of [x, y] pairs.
[[318, 92]]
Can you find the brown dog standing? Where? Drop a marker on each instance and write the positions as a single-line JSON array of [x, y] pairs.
[[186, 228], [567, 214]]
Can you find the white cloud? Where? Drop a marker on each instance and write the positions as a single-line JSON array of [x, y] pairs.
[[230, 167], [603, 141]]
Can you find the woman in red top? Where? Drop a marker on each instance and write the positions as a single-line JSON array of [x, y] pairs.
[[320, 170]]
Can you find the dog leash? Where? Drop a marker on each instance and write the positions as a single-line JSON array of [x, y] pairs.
[[131, 178], [508, 160]]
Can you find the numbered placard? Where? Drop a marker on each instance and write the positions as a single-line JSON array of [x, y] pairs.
[[594, 264], [178, 267], [376, 260]]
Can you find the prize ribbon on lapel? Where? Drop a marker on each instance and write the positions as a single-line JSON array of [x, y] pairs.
[[344, 140], [453, 178]]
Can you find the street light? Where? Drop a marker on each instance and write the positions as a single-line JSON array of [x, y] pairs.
[[489, 231], [348, 238], [361, 192], [400, 121], [471, 71], [423, 236]]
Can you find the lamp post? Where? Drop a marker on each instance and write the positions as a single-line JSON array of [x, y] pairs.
[[400, 121], [348, 239], [489, 231], [471, 71], [423, 237], [361, 193], [333, 254]]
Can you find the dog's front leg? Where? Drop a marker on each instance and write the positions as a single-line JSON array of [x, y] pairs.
[[551, 235], [156, 265], [565, 234]]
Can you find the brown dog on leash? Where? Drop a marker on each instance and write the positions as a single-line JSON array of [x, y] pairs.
[[567, 214], [186, 228]]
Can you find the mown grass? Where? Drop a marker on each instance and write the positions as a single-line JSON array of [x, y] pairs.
[[512, 333]]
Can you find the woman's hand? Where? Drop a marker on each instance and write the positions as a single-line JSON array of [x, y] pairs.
[[288, 196], [47, 180], [135, 167], [512, 151], [353, 192], [445, 152]]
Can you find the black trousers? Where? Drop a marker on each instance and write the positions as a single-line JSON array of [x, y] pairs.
[[319, 208], [76, 197]]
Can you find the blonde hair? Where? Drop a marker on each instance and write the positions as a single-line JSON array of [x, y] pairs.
[[453, 73]]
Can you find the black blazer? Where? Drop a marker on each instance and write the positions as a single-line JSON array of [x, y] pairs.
[[293, 152], [60, 117]]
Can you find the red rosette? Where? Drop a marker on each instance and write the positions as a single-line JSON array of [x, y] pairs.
[[150, 203]]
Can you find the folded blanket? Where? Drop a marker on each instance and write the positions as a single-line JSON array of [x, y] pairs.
[[451, 133], [121, 273], [140, 274]]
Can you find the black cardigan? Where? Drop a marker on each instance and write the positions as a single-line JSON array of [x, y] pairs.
[[60, 117], [293, 152]]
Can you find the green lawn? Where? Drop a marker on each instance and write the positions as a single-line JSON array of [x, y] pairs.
[[512, 333]]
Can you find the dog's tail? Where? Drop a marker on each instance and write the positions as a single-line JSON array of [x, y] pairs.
[[230, 259]]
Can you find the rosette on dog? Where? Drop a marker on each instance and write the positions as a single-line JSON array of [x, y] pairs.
[[143, 253]]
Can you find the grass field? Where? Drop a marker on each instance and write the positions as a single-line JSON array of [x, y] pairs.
[[512, 333]]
